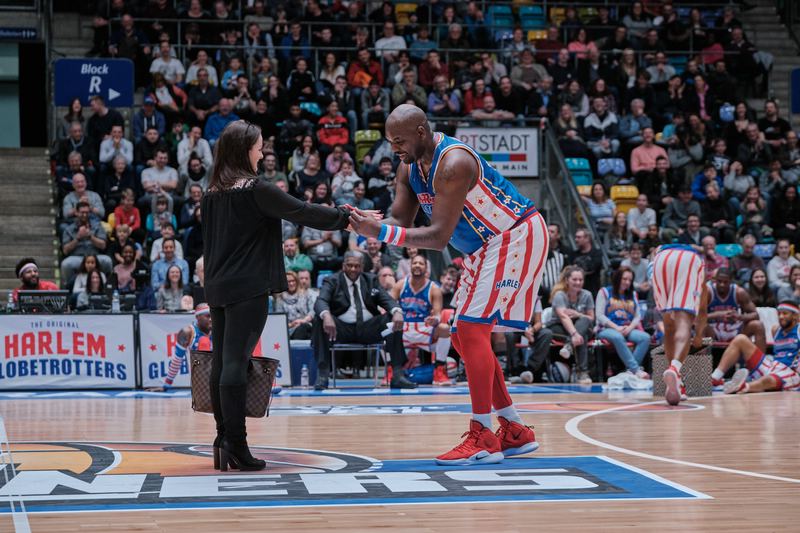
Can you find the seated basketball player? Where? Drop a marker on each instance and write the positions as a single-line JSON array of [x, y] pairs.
[[421, 302], [764, 372], [731, 311]]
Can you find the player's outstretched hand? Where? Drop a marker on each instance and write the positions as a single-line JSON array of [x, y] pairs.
[[364, 223], [374, 213]]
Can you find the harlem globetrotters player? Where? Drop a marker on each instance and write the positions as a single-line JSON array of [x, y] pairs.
[[475, 209], [681, 296]]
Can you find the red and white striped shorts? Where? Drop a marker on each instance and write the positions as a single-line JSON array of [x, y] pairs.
[[677, 276], [417, 335], [761, 365], [501, 279]]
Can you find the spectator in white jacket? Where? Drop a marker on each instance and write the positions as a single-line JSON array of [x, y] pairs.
[[194, 143], [116, 145], [780, 266]]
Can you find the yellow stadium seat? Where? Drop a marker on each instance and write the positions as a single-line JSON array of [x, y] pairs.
[[364, 141], [515, 4], [535, 35], [624, 196], [557, 14], [402, 11], [586, 13]]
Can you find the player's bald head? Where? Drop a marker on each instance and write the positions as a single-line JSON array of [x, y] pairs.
[[407, 129], [406, 116]]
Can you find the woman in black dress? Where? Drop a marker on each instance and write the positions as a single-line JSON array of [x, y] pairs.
[[243, 258]]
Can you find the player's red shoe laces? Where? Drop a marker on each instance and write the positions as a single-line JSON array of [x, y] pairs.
[[672, 384], [515, 438], [440, 376], [480, 446]]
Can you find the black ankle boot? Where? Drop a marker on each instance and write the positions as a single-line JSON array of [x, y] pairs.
[[237, 455], [216, 446], [233, 449]]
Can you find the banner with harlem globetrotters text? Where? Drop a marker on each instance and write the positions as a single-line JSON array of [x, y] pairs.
[[158, 336], [67, 352], [513, 152]]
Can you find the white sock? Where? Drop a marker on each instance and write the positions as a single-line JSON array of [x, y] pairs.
[[441, 348], [677, 364], [486, 420], [510, 413], [717, 374]]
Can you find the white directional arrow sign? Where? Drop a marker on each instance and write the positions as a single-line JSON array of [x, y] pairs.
[[112, 94]]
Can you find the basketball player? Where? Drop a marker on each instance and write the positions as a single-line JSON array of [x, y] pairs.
[[731, 311], [188, 338], [764, 372], [421, 302], [475, 209], [677, 275]]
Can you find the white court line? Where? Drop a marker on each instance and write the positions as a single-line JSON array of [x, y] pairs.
[[572, 424], [18, 517]]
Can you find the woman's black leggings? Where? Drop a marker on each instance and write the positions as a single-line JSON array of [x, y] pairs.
[[236, 330]]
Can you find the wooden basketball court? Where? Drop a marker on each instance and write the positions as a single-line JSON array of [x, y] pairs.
[[606, 463]]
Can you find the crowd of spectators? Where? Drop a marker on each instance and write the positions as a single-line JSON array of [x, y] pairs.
[[652, 95]]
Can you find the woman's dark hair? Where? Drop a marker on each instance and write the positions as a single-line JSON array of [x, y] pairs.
[[616, 281], [167, 284], [90, 277], [231, 154], [601, 184], [325, 199], [133, 249], [70, 116], [761, 297], [82, 268]]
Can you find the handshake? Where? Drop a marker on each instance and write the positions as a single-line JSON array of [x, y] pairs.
[[366, 222]]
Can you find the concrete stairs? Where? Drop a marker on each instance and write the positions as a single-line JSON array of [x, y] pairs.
[[765, 30], [27, 214], [72, 34]]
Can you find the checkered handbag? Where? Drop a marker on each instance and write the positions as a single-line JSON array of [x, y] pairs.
[[260, 377]]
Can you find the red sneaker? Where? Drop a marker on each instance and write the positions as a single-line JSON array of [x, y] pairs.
[[479, 447], [672, 382], [717, 382], [440, 378], [387, 379], [515, 439]]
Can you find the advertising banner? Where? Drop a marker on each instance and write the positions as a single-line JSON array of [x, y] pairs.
[[514, 152], [67, 352], [158, 334]]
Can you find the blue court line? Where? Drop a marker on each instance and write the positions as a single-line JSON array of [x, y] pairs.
[[287, 392]]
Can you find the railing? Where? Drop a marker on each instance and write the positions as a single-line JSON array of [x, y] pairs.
[[376, 29], [560, 197], [789, 11]]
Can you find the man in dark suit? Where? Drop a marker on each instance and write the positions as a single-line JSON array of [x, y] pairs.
[[347, 312]]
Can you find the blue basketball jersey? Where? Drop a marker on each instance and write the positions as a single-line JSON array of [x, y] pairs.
[[492, 206], [718, 304], [787, 345], [416, 306], [620, 311]]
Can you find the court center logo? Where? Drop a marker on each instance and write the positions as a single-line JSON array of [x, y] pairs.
[[80, 476]]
